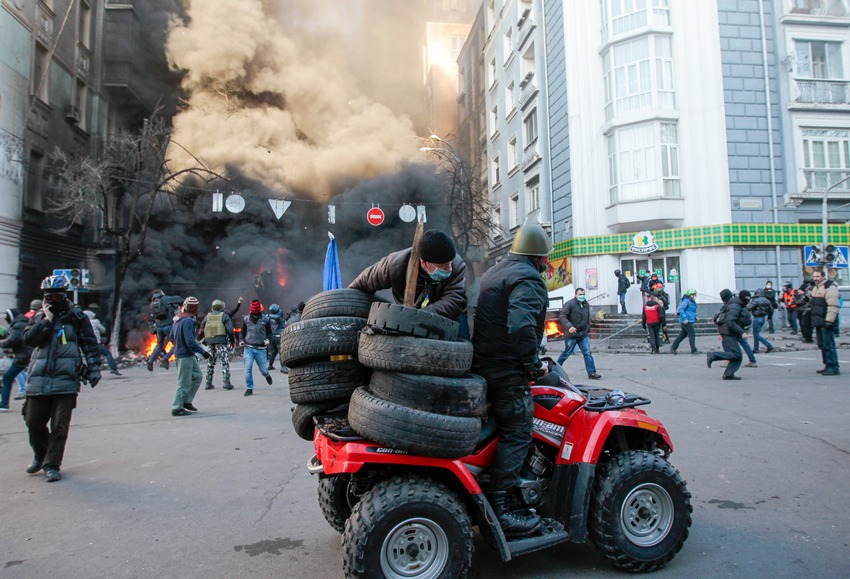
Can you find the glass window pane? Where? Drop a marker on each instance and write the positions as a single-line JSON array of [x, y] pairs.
[[806, 159], [819, 60], [804, 62], [818, 154], [836, 68], [834, 155]]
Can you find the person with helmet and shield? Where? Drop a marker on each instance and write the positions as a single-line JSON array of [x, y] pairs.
[[65, 354], [509, 325]]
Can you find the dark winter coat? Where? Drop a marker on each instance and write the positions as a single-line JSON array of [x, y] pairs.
[[277, 324], [509, 321], [770, 295], [575, 314], [732, 319], [760, 307], [183, 337], [60, 346], [256, 330], [447, 298], [15, 340], [623, 284], [162, 315]]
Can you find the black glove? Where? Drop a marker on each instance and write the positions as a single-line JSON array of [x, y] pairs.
[[94, 377]]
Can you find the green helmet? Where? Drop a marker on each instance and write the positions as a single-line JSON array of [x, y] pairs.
[[691, 292], [531, 239], [217, 305]]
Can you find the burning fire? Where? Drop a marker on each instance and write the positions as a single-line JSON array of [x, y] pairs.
[[279, 267], [553, 329], [150, 346]]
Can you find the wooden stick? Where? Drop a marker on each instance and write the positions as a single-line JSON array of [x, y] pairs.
[[413, 268]]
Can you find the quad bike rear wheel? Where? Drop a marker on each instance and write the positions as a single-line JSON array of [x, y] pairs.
[[640, 511], [336, 499], [408, 528]]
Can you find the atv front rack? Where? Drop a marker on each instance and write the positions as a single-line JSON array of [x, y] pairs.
[[605, 399]]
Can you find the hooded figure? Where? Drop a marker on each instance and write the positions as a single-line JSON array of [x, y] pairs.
[[277, 324]]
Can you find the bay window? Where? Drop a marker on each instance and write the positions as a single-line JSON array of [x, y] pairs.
[[819, 71], [622, 16], [643, 162], [638, 76]]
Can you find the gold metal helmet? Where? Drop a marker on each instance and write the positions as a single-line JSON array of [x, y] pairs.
[[531, 239]]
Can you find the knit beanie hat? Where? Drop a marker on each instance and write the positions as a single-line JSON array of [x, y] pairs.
[[726, 295], [190, 305], [436, 247], [256, 307]]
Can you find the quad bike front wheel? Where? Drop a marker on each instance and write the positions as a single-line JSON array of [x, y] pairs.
[[408, 528], [640, 511]]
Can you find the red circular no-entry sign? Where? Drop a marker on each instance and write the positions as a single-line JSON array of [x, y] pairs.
[[375, 216]]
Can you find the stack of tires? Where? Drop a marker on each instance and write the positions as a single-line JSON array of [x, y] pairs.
[[421, 398], [321, 353]]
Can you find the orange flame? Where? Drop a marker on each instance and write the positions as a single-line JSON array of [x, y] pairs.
[[553, 329], [279, 268], [150, 346]]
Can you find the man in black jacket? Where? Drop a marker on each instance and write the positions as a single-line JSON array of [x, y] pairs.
[[15, 342], [509, 321], [440, 287], [65, 354], [575, 322], [623, 284], [770, 294], [162, 311], [729, 325]]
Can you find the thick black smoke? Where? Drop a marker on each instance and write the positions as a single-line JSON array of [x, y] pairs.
[[192, 251]]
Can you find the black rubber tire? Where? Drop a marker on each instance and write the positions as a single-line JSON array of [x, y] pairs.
[[394, 501], [337, 302], [617, 477], [335, 500], [302, 417], [310, 340], [412, 322], [463, 396], [411, 430], [415, 355], [326, 381]]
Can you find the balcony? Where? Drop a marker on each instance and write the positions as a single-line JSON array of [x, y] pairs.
[[821, 93], [829, 12], [656, 213]]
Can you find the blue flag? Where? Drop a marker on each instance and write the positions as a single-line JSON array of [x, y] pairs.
[[331, 278]]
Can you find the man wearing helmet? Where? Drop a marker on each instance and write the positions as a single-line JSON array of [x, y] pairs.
[[509, 322], [65, 354], [162, 311], [440, 287], [217, 331]]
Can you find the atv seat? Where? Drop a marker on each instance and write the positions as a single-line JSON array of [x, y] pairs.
[[488, 431]]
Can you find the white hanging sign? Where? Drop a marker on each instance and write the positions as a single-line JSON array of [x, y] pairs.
[[331, 214], [407, 213], [279, 206], [218, 202], [420, 214], [235, 203]]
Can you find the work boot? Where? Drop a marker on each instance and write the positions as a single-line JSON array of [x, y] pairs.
[[513, 522], [268, 378], [52, 474], [149, 365], [190, 407], [209, 386], [709, 358], [831, 372], [228, 386], [180, 412], [164, 364], [35, 466], [248, 392], [732, 377]]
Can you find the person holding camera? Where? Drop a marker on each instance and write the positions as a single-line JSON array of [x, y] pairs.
[[65, 354]]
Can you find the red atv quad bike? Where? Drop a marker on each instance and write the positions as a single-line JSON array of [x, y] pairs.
[[597, 469]]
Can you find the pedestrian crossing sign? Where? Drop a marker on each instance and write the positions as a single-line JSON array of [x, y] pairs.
[[842, 252]]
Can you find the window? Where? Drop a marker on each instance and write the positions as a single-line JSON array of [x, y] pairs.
[[497, 176], [492, 73], [621, 16], [509, 99], [826, 157], [35, 181], [631, 80], [818, 8], [528, 66], [497, 223], [494, 120], [84, 24], [525, 9], [39, 77], [532, 195], [491, 14], [818, 59], [513, 211], [507, 45], [81, 98], [513, 158], [643, 162], [530, 124]]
